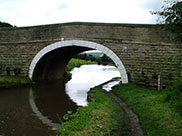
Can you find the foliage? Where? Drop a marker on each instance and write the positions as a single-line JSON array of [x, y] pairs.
[[83, 59], [171, 16], [104, 117], [3, 24], [104, 59], [75, 63], [175, 95], [13, 81], [157, 117], [87, 57], [176, 61], [67, 76], [68, 116]]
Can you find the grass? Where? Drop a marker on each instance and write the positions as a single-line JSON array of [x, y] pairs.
[[75, 63], [157, 116], [175, 95], [102, 117], [13, 81]]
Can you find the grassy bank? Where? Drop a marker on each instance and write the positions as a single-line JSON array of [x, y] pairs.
[[102, 117], [75, 63], [157, 116], [13, 81]]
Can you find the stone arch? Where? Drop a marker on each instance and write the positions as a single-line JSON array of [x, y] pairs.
[[81, 43]]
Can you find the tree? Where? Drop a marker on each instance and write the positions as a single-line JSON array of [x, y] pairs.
[[171, 16], [3, 24]]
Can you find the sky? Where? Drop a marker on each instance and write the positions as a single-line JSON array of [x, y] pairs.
[[40, 12]]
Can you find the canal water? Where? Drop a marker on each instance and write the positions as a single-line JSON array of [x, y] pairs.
[[39, 110]]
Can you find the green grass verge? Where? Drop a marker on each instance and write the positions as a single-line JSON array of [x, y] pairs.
[[75, 63], [13, 81], [103, 117], [157, 117]]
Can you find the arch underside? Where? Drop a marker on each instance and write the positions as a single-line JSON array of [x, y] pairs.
[[50, 62]]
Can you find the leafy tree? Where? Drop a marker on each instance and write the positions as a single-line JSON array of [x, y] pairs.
[[171, 16], [101, 60], [3, 24]]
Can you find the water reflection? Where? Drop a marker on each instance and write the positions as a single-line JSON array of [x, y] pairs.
[[43, 118], [16, 116], [35, 111], [108, 86], [52, 101], [86, 77]]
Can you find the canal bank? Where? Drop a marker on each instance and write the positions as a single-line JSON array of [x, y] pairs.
[[41, 105], [156, 116], [124, 122], [101, 117], [14, 81], [75, 63]]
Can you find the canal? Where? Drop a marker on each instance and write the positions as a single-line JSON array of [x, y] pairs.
[[39, 110]]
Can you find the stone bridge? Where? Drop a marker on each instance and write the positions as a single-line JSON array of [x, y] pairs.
[[141, 52]]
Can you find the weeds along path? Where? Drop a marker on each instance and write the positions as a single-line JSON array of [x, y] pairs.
[[134, 121]]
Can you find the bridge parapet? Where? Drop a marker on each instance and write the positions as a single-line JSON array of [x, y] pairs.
[[121, 32]]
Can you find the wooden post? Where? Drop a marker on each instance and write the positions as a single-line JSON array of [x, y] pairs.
[[159, 82]]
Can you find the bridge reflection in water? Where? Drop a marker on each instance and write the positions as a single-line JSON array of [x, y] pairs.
[[36, 110]]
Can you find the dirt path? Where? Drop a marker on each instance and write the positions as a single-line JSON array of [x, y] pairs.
[[134, 122]]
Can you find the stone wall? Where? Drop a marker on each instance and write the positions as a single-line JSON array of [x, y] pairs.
[[17, 57], [145, 50], [124, 32], [144, 62]]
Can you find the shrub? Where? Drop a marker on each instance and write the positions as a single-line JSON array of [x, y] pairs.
[[175, 94]]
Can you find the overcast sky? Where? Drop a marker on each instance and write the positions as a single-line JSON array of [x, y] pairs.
[[38, 12]]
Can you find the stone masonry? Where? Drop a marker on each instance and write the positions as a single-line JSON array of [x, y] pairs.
[[145, 50]]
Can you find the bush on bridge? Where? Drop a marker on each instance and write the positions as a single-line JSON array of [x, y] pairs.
[[171, 16], [4, 24]]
